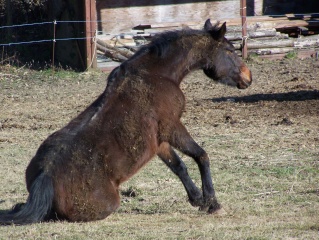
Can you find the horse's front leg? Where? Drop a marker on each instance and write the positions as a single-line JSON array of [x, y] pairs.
[[173, 161], [181, 140]]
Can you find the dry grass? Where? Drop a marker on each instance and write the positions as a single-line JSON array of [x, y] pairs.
[[265, 170]]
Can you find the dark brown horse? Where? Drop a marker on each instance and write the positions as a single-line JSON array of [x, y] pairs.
[[76, 172]]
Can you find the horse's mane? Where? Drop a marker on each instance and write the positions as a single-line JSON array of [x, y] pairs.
[[161, 43]]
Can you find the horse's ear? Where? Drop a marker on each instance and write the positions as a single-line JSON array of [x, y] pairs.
[[217, 33], [208, 25], [222, 30]]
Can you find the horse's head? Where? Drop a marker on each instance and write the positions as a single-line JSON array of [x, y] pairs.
[[225, 66]]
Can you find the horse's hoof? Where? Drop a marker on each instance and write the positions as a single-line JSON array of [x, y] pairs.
[[218, 212], [210, 206], [204, 208]]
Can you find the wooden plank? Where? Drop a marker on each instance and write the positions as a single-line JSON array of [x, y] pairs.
[[260, 34], [105, 46], [258, 7], [306, 43], [233, 25], [117, 20], [176, 24], [120, 42], [269, 51], [300, 54], [296, 23], [267, 44], [90, 29], [253, 24]]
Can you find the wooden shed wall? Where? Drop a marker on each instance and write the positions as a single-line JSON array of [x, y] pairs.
[[120, 16]]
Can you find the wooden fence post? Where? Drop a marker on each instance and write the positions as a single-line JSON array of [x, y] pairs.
[[243, 13], [90, 29]]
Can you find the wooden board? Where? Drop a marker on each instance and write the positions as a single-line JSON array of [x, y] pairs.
[[117, 18]]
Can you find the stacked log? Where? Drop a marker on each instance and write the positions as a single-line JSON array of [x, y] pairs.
[[115, 53], [291, 33], [268, 37]]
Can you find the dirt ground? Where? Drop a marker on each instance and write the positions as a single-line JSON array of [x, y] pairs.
[[283, 101], [272, 126]]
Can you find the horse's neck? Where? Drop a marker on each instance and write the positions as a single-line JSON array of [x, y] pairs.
[[186, 56]]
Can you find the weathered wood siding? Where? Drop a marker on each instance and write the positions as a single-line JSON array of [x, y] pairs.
[[119, 16]]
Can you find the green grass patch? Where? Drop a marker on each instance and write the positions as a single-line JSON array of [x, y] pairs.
[[291, 55]]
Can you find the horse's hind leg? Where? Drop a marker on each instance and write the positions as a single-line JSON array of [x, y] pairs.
[[172, 160], [181, 140]]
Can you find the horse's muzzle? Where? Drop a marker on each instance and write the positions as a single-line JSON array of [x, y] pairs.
[[246, 78]]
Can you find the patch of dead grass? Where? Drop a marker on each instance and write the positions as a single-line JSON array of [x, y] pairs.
[[266, 172]]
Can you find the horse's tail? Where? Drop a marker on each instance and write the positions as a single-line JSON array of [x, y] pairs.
[[37, 207]]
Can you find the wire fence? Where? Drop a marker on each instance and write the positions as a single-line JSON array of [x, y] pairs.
[[36, 42], [51, 26], [53, 39]]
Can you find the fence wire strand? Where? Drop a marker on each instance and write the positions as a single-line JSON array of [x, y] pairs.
[[59, 39], [43, 40], [25, 25]]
